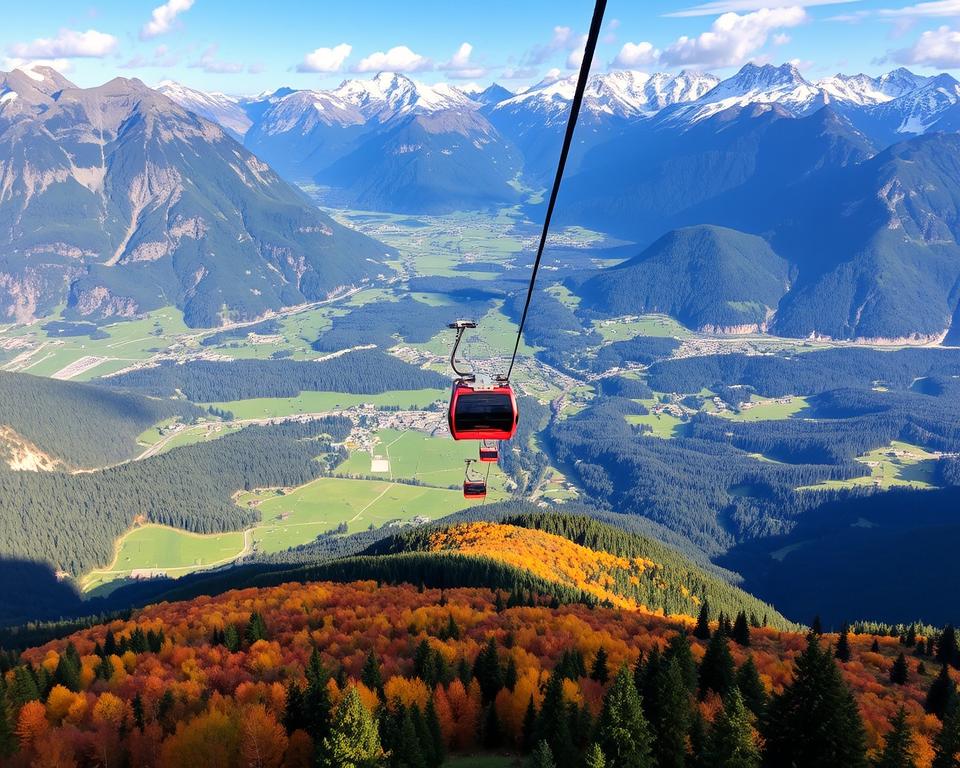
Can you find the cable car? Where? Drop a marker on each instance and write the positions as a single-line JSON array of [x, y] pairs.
[[489, 451], [481, 407], [474, 486]]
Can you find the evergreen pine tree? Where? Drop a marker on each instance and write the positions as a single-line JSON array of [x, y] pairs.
[[947, 650], [8, 739], [137, 707], [678, 650], [231, 638], [109, 644], [741, 630], [487, 670], [317, 706], [599, 671], [256, 628], [594, 757], [553, 722], [542, 756], [438, 747], [899, 672], [815, 720], [452, 631], [371, 675], [730, 743], [293, 713], [406, 751], [947, 744], [816, 627], [875, 646], [716, 669], [510, 675], [67, 673], [702, 629], [668, 712], [843, 645], [492, 735], [941, 693], [751, 688], [698, 740], [529, 727], [911, 637], [354, 740], [898, 745], [623, 733]]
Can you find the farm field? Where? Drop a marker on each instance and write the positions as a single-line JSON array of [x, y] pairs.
[[898, 465], [645, 325], [766, 409], [175, 552], [663, 424]]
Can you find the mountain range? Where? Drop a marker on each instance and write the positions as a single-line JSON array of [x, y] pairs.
[[115, 200]]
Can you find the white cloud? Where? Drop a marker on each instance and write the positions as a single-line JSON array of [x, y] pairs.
[[563, 39], [163, 16], [460, 67], [398, 59], [732, 38], [67, 44], [936, 8], [552, 76], [162, 57], [13, 62], [575, 59], [610, 36], [209, 62], [325, 59], [738, 6], [935, 48], [781, 38], [634, 55]]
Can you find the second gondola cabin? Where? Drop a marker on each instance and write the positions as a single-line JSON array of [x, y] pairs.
[[482, 410]]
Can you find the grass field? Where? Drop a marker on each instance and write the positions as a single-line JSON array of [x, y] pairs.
[[765, 409], [321, 402], [173, 551], [646, 325], [663, 424], [899, 465]]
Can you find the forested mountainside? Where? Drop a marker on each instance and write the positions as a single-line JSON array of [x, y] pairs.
[[50, 423], [396, 675], [116, 200]]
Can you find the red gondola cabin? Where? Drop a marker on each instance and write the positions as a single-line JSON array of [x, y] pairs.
[[481, 412], [489, 453], [474, 489]]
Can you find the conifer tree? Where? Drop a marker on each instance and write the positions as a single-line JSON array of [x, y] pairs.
[[231, 638], [510, 675], [751, 688], [553, 721], [317, 706], [8, 740], [438, 749], [911, 637], [599, 671], [947, 650], [488, 671], [702, 629], [594, 757], [731, 743], [898, 746], [354, 740], [875, 646], [67, 673], [256, 628], [843, 645], [941, 693], [406, 752], [668, 712], [678, 650], [138, 715], [816, 627], [716, 669], [623, 733], [815, 720], [741, 630], [947, 744], [371, 675], [542, 756], [899, 672], [529, 727], [293, 713]]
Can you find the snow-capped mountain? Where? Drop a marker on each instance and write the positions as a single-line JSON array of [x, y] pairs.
[[217, 107], [860, 90], [918, 110], [620, 94], [899, 81], [390, 95]]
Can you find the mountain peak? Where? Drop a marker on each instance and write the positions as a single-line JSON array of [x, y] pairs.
[[755, 77]]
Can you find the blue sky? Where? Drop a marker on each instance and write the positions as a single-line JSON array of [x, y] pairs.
[[248, 46]]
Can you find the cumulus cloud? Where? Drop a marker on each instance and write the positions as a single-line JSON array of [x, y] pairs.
[[732, 39], [398, 59], [67, 44], [460, 67], [935, 48], [739, 6], [325, 59], [209, 62], [575, 59], [163, 16], [564, 40], [634, 55]]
